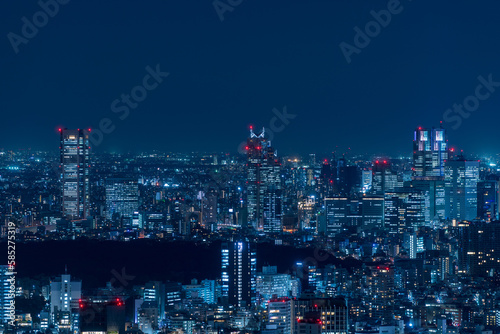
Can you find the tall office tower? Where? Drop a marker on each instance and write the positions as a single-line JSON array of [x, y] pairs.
[[403, 210], [380, 292], [342, 211], [337, 210], [325, 180], [205, 290], [306, 213], [487, 200], [410, 244], [122, 199], [279, 312], [264, 191], [209, 209], [331, 314], [269, 283], [384, 178], [75, 163], [429, 152], [461, 177], [479, 249], [239, 268], [373, 212], [154, 293], [7, 280], [312, 159], [366, 181], [173, 293], [436, 194], [64, 298]]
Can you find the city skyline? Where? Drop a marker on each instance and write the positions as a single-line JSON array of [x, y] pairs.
[[250, 167]]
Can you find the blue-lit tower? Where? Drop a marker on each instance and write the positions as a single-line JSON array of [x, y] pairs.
[[238, 274]]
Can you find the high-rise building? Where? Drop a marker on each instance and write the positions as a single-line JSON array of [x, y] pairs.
[[487, 199], [434, 189], [75, 163], [342, 211], [269, 283], [122, 199], [429, 152], [404, 209], [279, 312], [321, 315], [102, 315], [461, 178], [479, 249], [154, 293], [6, 294], [206, 290], [380, 292], [239, 268], [264, 190], [336, 210], [373, 211], [384, 178], [209, 209], [64, 302]]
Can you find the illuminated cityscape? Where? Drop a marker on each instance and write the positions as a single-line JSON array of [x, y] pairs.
[[233, 166]]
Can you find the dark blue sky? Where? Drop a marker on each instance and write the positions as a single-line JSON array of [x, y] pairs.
[[225, 75]]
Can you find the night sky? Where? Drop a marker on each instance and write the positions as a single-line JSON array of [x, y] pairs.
[[225, 75]]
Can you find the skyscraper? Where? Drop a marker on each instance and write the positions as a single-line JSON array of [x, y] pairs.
[[64, 298], [384, 178], [326, 315], [75, 163], [380, 292], [279, 312], [264, 191], [122, 199], [404, 209], [239, 269], [479, 251], [6, 294], [461, 178], [487, 199], [429, 152]]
